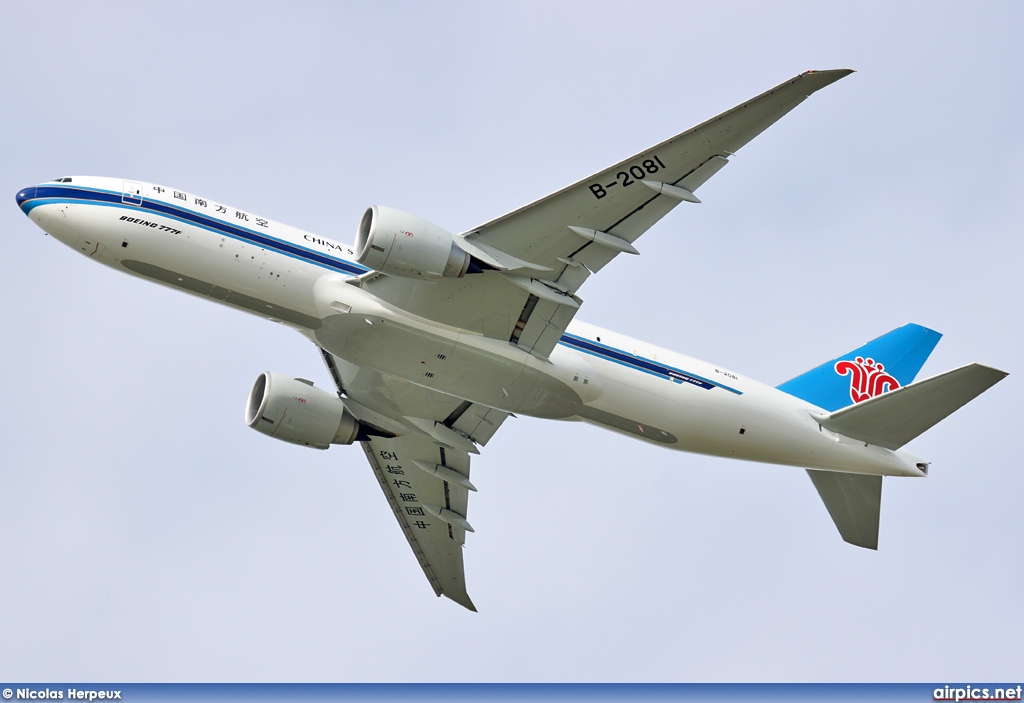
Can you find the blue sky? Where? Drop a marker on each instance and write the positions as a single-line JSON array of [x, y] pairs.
[[149, 535]]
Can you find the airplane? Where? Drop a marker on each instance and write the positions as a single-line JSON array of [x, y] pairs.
[[434, 339]]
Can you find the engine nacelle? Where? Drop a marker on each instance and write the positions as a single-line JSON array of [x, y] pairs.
[[400, 244], [292, 410]]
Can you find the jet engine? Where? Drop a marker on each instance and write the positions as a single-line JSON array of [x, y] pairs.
[[400, 244], [292, 410]]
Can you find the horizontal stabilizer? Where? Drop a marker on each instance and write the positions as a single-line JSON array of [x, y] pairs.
[[892, 419], [854, 501]]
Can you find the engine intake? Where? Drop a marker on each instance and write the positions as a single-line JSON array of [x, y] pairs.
[[400, 244], [293, 410]]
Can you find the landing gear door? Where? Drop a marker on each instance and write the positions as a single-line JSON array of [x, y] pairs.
[[132, 193]]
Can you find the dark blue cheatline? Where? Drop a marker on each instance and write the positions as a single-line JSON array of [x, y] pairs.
[[640, 363], [29, 198], [24, 195], [46, 194]]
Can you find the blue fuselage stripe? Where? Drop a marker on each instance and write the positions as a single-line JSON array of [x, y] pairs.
[[639, 363], [51, 194], [46, 195]]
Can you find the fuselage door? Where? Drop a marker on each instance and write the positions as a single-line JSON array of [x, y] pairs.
[[132, 194]]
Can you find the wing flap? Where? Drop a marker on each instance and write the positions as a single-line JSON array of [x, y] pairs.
[[544, 327], [892, 419], [703, 173], [479, 422]]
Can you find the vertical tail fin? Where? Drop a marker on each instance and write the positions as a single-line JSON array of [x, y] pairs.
[[883, 364], [848, 384]]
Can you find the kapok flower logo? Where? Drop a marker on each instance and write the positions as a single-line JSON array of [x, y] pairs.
[[867, 379]]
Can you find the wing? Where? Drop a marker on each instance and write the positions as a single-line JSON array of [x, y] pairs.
[[424, 473], [536, 258], [399, 466], [542, 253]]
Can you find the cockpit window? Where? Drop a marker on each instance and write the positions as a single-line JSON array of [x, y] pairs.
[[62, 180]]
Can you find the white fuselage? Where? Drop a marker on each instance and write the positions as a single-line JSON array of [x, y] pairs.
[[300, 279]]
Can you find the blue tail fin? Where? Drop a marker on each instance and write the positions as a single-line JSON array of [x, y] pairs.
[[882, 364]]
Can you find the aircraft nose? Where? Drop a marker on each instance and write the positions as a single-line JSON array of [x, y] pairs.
[[24, 195]]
